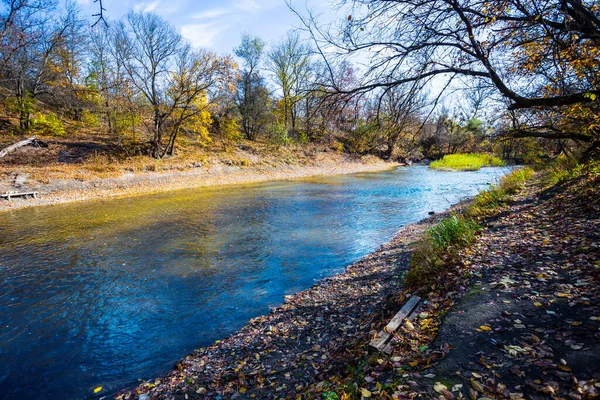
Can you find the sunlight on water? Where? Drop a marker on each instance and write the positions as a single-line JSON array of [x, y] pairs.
[[103, 293]]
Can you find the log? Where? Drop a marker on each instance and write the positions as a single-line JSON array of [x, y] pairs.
[[17, 146]]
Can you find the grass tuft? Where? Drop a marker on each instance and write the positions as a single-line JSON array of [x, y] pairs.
[[466, 162]]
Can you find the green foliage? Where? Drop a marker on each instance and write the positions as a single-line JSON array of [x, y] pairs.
[[90, 119], [25, 104], [277, 134], [124, 122], [229, 128], [453, 231], [467, 162], [427, 260], [48, 124], [362, 139], [485, 203], [514, 181]]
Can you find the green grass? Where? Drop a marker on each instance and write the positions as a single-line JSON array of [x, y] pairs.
[[466, 162], [456, 232], [486, 203], [427, 259]]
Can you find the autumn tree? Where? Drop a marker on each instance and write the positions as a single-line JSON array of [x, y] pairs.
[[252, 95], [31, 36], [171, 77], [289, 62], [542, 57]]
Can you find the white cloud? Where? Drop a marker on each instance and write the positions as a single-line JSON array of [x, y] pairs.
[[211, 14], [203, 35], [146, 7], [246, 5]]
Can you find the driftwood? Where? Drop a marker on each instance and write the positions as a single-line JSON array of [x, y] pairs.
[[32, 141]]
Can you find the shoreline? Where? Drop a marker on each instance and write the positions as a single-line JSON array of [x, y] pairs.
[[297, 334], [214, 175]]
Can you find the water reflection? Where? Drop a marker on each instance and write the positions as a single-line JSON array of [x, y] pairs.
[[106, 292]]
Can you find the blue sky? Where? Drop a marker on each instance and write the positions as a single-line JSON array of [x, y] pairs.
[[216, 25]]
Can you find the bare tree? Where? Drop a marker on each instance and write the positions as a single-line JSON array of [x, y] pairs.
[[150, 45], [536, 54], [289, 61]]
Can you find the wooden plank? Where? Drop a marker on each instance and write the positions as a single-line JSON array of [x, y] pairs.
[[380, 341], [19, 194], [388, 349], [383, 340], [403, 313], [415, 313]]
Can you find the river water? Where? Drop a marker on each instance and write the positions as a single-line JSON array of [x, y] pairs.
[[104, 293]]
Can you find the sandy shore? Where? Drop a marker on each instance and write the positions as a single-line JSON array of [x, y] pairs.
[[213, 174]]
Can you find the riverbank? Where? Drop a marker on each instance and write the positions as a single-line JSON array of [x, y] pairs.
[[303, 343], [55, 186], [515, 316]]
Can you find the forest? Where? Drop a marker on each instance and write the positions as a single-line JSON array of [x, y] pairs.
[[522, 79]]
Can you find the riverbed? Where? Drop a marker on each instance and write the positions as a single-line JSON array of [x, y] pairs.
[[107, 292]]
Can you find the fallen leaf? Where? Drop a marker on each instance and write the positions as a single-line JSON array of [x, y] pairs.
[[439, 387], [365, 393], [457, 387], [98, 389], [476, 385], [485, 328]]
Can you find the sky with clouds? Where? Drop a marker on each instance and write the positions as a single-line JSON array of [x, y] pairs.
[[217, 25]]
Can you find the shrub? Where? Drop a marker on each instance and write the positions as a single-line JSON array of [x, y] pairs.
[[48, 124], [485, 203], [277, 134], [90, 119]]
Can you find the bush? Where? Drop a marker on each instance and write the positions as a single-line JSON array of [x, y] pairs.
[[90, 119], [466, 162], [48, 124], [277, 134], [485, 203], [229, 128]]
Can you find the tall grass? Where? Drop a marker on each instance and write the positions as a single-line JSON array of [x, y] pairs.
[[451, 234], [466, 162]]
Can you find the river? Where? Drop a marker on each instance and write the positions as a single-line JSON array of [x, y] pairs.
[[104, 293]]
